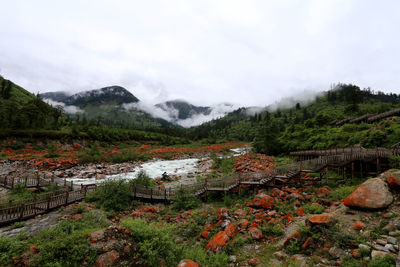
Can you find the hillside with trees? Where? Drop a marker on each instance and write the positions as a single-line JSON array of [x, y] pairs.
[[309, 126]]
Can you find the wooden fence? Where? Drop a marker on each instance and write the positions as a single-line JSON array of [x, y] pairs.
[[42, 203]]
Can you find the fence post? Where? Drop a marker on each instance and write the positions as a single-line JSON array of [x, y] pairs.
[[66, 197], [26, 181], [34, 203], [37, 180], [48, 202], [65, 181], [12, 183], [151, 193], [165, 194], [22, 211]]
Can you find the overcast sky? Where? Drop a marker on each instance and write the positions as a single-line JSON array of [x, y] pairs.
[[246, 52]]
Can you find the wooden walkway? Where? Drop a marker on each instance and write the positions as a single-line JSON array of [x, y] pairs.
[[28, 208], [318, 161]]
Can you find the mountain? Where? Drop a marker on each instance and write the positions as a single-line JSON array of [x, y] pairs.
[[310, 125], [182, 110], [116, 95], [20, 109]]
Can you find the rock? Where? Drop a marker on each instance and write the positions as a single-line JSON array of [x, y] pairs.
[[363, 246], [378, 254], [232, 230], [372, 194], [205, 234], [240, 213], [323, 219], [381, 248], [394, 233], [280, 255], [187, 263], [306, 244], [232, 259], [219, 241], [98, 235], [381, 242], [255, 233], [335, 252], [300, 212], [323, 191], [295, 195], [358, 225], [391, 248], [298, 260], [254, 262], [107, 259], [394, 180], [222, 214], [261, 201], [388, 228], [391, 240]]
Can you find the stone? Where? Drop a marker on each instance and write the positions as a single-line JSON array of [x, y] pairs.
[[298, 260], [323, 191], [222, 213], [336, 252], [280, 255], [391, 240], [295, 195], [358, 225], [394, 233], [232, 259], [378, 254], [381, 248], [363, 246], [107, 259], [323, 219], [232, 230], [381, 242], [98, 235], [255, 233], [306, 244], [388, 228], [261, 201], [300, 212], [372, 194], [254, 262], [187, 263], [390, 247], [219, 241], [394, 180], [205, 234]]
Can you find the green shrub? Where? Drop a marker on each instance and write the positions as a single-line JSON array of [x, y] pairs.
[[128, 156], [112, 195], [154, 242], [342, 192], [394, 162], [90, 154], [184, 200], [364, 252], [272, 230], [293, 247], [20, 192], [142, 179], [348, 261], [19, 224], [313, 208], [11, 247], [200, 256], [387, 261], [51, 150]]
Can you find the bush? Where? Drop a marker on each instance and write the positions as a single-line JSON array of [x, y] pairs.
[[142, 179], [272, 230], [19, 224], [394, 162], [313, 208], [184, 200], [342, 192], [20, 192], [91, 154], [200, 256], [387, 261], [154, 242], [128, 156], [112, 195], [11, 247], [51, 150]]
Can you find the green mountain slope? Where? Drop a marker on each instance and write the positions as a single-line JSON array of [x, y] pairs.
[[309, 127], [20, 109]]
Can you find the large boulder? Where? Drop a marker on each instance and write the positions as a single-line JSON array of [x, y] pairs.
[[372, 194], [219, 241], [393, 178], [261, 201]]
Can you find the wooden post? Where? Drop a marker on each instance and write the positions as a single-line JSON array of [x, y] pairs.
[[66, 197], [352, 170], [151, 193], [378, 169], [48, 202], [165, 194], [37, 180], [26, 181], [361, 170], [12, 183], [22, 211], [34, 203], [65, 181], [343, 174], [327, 174]]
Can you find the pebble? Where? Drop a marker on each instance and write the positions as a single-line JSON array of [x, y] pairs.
[[363, 246], [380, 248], [391, 240], [379, 254], [232, 259], [394, 233], [381, 242]]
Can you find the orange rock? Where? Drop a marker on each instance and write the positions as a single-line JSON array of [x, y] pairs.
[[293, 236], [222, 213], [107, 259], [231, 230], [261, 201], [322, 219], [300, 212], [245, 223], [323, 191], [372, 194], [187, 263], [393, 181], [78, 216], [306, 243], [254, 262], [355, 253], [358, 225], [255, 233], [205, 234], [34, 249], [219, 241], [127, 249]]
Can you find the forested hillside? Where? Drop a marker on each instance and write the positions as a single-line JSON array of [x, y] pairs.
[[309, 127]]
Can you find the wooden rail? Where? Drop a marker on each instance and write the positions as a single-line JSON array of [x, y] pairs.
[[28, 208]]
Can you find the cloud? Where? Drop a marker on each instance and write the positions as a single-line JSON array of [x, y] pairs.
[[68, 109], [206, 52]]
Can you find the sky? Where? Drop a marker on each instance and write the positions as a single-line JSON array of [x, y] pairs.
[[250, 53]]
